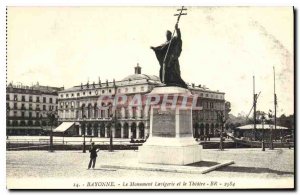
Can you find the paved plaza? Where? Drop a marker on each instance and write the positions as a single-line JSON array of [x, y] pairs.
[[248, 164]]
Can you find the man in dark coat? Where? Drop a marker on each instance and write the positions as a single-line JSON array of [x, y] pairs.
[[93, 156], [172, 69]]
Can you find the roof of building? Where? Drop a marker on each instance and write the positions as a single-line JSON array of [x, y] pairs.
[[260, 126], [34, 89], [133, 77]]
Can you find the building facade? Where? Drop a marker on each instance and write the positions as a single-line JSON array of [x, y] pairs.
[[79, 104], [27, 108]]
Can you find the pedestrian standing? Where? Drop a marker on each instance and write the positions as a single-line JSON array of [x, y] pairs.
[[93, 156]]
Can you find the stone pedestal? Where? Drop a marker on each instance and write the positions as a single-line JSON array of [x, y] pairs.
[[171, 133]]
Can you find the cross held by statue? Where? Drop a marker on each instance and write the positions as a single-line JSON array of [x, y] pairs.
[[178, 18]]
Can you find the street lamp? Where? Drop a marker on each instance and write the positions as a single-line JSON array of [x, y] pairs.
[[51, 117], [83, 123], [271, 138], [263, 133], [113, 116], [110, 134], [221, 119]]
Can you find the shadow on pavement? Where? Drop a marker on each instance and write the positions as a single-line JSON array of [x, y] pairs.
[[203, 164], [253, 170], [99, 169]]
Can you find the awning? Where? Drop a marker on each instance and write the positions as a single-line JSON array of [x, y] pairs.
[[63, 127]]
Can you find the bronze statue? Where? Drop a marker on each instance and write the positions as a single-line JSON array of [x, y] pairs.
[[167, 55]]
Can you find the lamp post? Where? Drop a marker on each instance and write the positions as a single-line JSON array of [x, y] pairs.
[[83, 124], [263, 133], [111, 138], [221, 119], [113, 117], [51, 118], [271, 138]]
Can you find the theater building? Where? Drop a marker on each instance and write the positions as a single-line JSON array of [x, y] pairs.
[[27, 108], [78, 110]]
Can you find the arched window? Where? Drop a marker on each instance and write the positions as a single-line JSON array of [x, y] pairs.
[[95, 110], [89, 111]]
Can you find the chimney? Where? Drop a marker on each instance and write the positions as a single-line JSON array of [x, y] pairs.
[[137, 69]]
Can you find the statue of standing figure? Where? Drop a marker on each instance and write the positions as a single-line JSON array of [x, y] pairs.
[[167, 55]]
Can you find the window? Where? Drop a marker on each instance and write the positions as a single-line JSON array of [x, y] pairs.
[[61, 95], [142, 88], [90, 92], [133, 89], [37, 115], [7, 96], [30, 98], [83, 93], [23, 107], [67, 95], [15, 106], [44, 99], [119, 90], [78, 94], [103, 91], [50, 100], [206, 95], [7, 106], [30, 114], [72, 95], [30, 106], [109, 90], [201, 94], [23, 98], [15, 98], [37, 99], [44, 107], [15, 113], [56, 101]]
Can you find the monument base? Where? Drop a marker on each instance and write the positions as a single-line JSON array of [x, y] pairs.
[[171, 139], [170, 151]]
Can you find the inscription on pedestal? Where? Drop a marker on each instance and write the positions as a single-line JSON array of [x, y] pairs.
[[163, 123]]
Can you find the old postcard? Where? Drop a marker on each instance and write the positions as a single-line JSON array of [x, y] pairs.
[[179, 97]]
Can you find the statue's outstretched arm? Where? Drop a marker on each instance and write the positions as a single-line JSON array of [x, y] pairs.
[[178, 31]]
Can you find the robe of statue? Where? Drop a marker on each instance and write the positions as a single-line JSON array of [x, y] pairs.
[[172, 68]]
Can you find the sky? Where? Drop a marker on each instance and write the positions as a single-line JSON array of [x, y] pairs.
[[223, 47]]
